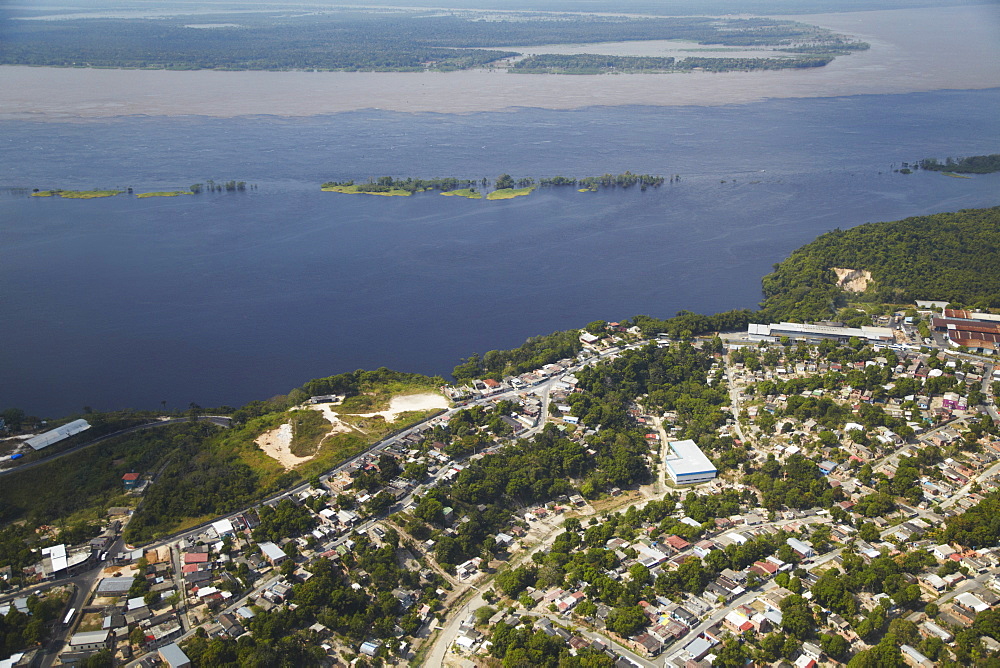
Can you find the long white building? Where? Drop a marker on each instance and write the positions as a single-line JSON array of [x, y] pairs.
[[58, 434], [687, 464], [797, 330]]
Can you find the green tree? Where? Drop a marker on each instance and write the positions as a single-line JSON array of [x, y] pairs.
[[626, 621]]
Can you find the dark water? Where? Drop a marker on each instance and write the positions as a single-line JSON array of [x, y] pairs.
[[225, 298]]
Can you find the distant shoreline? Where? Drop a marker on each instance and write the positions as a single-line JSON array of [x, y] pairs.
[[965, 55]]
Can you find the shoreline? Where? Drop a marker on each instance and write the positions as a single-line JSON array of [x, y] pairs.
[[896, 63]]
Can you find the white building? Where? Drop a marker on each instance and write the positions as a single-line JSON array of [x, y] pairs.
[[803, 550], [796, 330], [687, 464], [58, 434], [272, 552], [88, 641]]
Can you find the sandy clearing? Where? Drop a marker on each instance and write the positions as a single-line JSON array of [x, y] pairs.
[[409, 402], [277, 445]]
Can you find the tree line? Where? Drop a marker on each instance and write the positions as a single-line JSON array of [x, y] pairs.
[[587, 63]]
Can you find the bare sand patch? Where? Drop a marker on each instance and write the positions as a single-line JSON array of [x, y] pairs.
[[417, 402], [409, 402], [277, 444], [852, 280]]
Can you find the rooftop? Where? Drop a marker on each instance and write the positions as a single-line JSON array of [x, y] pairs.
[[686, 458]]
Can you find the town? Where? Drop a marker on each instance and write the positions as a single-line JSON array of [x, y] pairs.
[[786, 495]]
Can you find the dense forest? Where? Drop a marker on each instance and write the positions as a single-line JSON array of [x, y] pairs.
[[356, 40], [947, 256], [94, 474]]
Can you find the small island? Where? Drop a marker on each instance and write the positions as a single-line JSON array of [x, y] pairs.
[[193, 189], [510, 193], [165, 193], [76, 194], [505, 186]]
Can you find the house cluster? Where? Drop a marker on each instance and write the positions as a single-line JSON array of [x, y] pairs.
[[920, 411]]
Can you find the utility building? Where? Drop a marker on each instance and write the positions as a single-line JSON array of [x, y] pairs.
[[687, 464]]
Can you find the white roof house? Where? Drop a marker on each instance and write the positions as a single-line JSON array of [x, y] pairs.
[[223, 527], [272, 551], [801, 548]]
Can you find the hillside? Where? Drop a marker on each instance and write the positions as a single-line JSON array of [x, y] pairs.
[[947, 256]]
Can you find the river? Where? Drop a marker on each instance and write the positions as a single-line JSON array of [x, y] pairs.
[[227, 297]]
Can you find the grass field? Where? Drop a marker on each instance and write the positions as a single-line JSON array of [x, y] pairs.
[[509, 193], [308, 430], [464, 192]]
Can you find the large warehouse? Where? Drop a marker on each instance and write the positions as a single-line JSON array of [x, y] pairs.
[[687, 464], [799, 331], [979, 332]]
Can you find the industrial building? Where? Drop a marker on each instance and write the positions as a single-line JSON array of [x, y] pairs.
[[801, 331], [687, 464], [979, 332], [58, 434]]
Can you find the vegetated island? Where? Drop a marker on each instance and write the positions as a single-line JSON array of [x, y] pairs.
[[164, 193], [76, 194], [406, 40], [194, 189], [597, 482], [504, 187], [975, 164]]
